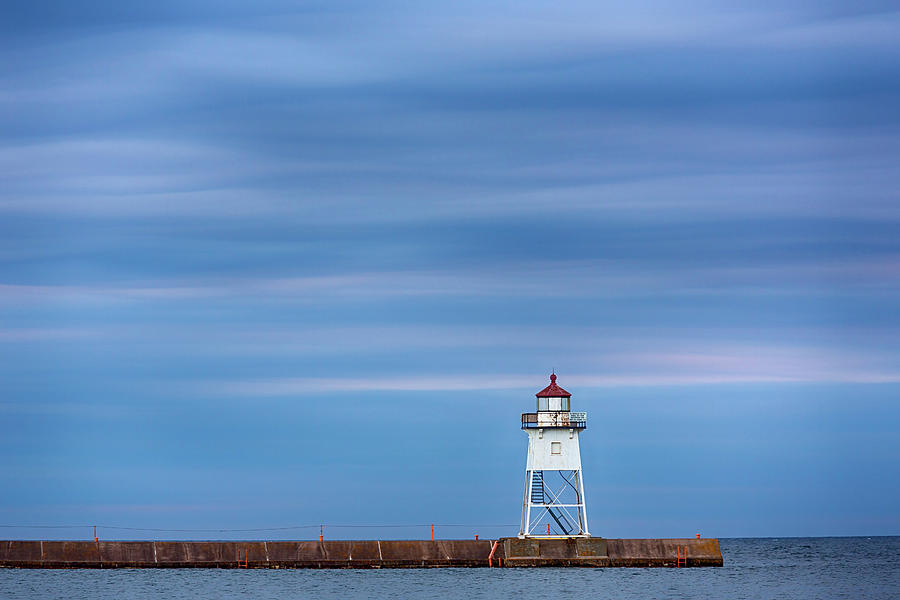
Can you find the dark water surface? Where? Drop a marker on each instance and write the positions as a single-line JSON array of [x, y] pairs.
[[754, 568]]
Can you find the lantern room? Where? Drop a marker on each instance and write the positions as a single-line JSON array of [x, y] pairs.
[[553, 398], [554, 410]]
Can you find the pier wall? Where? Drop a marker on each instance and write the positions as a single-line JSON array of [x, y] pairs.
[[350, 554]]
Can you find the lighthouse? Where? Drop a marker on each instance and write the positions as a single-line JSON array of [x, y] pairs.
[[553, 504]]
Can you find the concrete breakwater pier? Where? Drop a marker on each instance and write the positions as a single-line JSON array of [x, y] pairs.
[[363, 554]]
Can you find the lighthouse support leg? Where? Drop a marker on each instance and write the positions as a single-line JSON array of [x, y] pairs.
[[582, 508], [526, 505]]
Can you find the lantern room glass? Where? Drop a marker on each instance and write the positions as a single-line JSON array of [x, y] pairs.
[[553, 404]]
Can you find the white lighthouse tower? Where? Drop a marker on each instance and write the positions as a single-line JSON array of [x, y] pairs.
[[554, 503]]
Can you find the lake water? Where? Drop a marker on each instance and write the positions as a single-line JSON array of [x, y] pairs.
[[754, 568]]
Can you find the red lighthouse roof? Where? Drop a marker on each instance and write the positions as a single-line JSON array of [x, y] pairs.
[[553, 390]]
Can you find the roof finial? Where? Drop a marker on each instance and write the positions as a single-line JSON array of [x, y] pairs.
[[553, 376]]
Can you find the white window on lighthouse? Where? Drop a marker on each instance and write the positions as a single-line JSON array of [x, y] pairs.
[[555, 403], [555, 447]]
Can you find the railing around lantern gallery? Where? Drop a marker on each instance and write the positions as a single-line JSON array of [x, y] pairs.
[[573, 420]]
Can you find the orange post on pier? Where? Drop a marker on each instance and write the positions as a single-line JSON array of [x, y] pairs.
[[321, 532], [95, 534]]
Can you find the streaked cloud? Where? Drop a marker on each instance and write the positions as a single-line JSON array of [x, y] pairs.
[[684, 366], [301, 387], [537, 280]]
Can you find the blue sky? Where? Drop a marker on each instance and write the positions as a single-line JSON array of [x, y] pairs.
[[283, 264]]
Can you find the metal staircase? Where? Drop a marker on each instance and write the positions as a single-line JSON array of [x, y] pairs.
[[561, 520], [537, 487], [537, 497]]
